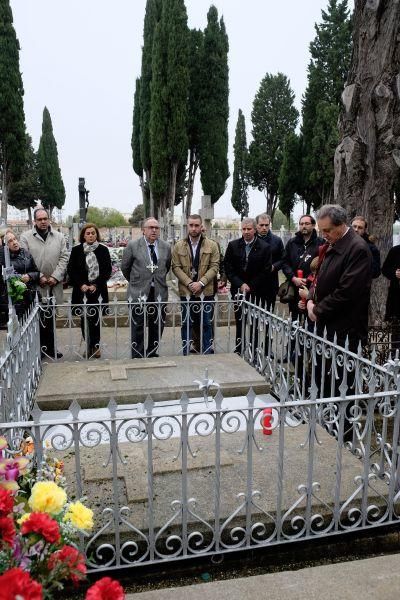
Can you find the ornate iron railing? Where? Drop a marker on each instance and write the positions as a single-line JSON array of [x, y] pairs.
[[315, 457]]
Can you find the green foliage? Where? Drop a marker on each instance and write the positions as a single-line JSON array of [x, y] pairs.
[[135, 141], [152, 17], [103, 217], [290, 175], [273, 116], [240, 180], [327, 72], [196, 41], [52, 186], [214, 108], [12, 118], [24, 191], [281, 219], [137, 215]]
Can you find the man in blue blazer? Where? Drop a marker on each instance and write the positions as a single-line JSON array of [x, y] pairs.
[[145, 264]]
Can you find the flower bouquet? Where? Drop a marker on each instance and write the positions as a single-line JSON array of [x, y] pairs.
[[16, 288], [38, 528]]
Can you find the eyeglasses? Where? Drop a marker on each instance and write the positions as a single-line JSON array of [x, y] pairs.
[[151, 227]]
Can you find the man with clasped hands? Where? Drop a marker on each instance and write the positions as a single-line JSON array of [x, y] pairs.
[[145, 264], [195, 262]]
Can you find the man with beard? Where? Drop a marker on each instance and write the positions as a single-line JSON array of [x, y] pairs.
[[299, 252], [195, 262]]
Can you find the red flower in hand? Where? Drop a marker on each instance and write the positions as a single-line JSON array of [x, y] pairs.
[[6, 502], [17, 583], [69, 564], [42, 524], [105, 589], [7, 531]]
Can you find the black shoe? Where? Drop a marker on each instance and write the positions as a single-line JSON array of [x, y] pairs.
[[59, 355]]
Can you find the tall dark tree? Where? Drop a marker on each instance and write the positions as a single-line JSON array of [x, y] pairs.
[[239, 198], [152, 17], [367, 160], [12, 118], [52, 186], [24, 192], [174, 16], [215, 108], [196, 38], [273, 116], [327, 72], [135, 143], [290, 175]]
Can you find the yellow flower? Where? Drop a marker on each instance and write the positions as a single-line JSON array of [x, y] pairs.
[[79, 516], [24, 518], [47, 497]]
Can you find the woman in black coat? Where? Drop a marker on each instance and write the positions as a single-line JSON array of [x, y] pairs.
[[391, 270], [23, 265], [89, 269]]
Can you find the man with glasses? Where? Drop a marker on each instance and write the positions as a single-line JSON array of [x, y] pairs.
[[299, 252], [277, 251], [145, 264], [49, 251]]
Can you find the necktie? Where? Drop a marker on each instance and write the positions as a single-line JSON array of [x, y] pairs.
[[153, 254], [248, 248]]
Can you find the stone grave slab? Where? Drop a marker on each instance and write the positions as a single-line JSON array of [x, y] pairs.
[[133, 490], [93, 383]]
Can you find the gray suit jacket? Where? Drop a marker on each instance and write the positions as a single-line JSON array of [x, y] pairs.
[[134, 267]]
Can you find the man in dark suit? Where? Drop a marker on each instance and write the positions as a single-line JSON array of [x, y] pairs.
[[277, 251], [145, 264], [248, 267]]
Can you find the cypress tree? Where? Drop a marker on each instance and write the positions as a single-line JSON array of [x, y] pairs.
[[215, 108], [196, 38], [135, 143], [177, 88], [53, 192], [12, 118], [290, 177], [240, 182], [273, 117], [330, 58], [152, 17], [26, 190]]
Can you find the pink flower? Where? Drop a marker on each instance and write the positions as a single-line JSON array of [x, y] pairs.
[[105, 589], [43, 525], [17, 583]]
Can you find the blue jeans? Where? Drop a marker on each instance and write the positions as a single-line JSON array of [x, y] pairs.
[[197, 314]]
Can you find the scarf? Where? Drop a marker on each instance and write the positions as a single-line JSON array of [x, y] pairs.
[[91, 260]]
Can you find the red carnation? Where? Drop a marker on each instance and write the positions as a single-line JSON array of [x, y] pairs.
[[105, 589], [17, 583], [69, 563], [7, 530], [6, 502], [42, 524]]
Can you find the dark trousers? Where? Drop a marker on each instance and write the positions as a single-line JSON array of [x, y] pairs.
[[91, 332], [150, 317]]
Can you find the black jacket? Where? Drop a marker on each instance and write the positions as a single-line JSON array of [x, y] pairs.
[[277, 254], [299, 254], [256, 273], [376, 257], [342, 290], [23, 263], [391, 263], [78, 274]]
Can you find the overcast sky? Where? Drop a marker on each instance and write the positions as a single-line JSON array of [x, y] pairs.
[[80, 58]]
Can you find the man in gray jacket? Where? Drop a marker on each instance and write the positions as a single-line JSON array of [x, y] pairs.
[[145, 264], [50, 254]]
